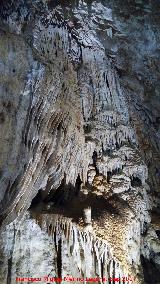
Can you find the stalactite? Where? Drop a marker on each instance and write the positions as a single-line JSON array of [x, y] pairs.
[[68, 237], [77, 108]]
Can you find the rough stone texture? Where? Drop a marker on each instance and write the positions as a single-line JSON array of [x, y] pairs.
[[79, 132], [29, 250]]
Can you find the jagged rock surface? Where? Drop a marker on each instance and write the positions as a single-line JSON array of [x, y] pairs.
[[67, 135]]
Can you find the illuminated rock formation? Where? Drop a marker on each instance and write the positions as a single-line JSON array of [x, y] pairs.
[[69, 150]]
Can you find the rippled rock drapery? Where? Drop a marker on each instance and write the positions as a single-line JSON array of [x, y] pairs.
[[67, 139]]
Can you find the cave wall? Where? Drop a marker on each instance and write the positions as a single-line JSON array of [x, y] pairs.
[[69, 97]]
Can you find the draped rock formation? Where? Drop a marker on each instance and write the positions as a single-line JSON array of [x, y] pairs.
[[75, 195]]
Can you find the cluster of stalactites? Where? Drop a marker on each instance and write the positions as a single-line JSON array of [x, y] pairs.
[[126, 161], [90, 255]]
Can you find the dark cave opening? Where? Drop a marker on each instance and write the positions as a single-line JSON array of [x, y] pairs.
[[65, 192], [60, 196], [136, 182], [37, 199]]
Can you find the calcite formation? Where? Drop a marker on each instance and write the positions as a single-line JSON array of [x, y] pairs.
[[75, 198]]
